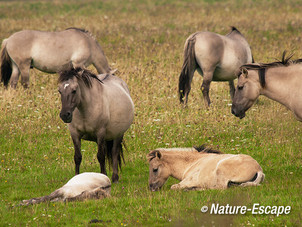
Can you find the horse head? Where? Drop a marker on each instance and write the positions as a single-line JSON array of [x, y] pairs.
[[247, 91], [70, 93], [158, 171]]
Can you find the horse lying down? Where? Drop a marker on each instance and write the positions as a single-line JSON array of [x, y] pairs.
[[81, 187], [202, 168]]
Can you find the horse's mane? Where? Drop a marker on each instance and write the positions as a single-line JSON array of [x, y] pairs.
[[81, 74], [78, 29], [234, 29], [82, 30], [262, 67], [204, 149]]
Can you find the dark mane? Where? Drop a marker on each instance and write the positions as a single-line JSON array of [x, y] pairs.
[[235, 30], [78, 29], [204, 149], [262, 67], [81, 74]]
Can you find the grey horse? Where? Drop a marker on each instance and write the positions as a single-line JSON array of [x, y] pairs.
[[50, 52], [97, 108], [216, 58]]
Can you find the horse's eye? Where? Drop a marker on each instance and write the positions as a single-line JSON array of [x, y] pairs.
[[240, 87], [155, 170], [74, 91]]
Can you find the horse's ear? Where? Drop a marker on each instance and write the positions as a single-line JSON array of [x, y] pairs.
[[158, 154], [81, 72], [244, 72], [153, 154], [113, 71]]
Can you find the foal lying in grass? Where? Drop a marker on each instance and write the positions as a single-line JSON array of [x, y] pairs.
[[81, 187], [202, 168]]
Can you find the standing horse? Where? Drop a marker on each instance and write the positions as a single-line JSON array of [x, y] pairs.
[[216, 58], [202, 168], [49, 52], [80, 187], [99, 109], [280, 81]]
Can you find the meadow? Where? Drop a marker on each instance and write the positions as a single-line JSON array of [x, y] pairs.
[[144, 40]]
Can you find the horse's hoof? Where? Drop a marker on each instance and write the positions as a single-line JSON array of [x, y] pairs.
[[115, 178], [175, 187]]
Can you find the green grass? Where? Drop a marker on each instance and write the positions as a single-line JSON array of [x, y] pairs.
[[144, 41]]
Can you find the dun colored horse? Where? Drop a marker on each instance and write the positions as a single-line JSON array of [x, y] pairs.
[[49, 52], [216, 58], [202, 168], [97, 108], [80, 187], [279, 81]]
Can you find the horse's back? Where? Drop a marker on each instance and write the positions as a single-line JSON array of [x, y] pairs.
[[207, 163], [85, 182], [240, 160], [20, 43], [113, 80], [49, 51], [89, 178]]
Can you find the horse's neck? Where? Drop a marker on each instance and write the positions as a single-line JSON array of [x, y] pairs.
[[178, 162], [280, 87]]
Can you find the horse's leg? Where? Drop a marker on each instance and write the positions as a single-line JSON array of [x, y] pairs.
[[232, 88], [77, 152], [102, 154], [116, 157], [15, 75], [186, 185], [24, 70], [205, 87]]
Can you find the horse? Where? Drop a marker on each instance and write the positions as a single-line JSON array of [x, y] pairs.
[[201, 168], [279, 81], [216, 58], [84, 186], [99, 109], [49, 52]]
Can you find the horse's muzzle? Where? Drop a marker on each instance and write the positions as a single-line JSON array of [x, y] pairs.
[[66, 117], [240, 114], [154, 187]]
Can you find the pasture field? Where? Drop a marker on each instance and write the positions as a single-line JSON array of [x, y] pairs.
[[144, 40]]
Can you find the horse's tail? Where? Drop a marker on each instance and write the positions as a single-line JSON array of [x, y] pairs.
[[120, 156], [6, 67], [188, 68], [55, 196], [257, 179]]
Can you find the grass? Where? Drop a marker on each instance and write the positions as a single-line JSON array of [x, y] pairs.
[[144, 40]]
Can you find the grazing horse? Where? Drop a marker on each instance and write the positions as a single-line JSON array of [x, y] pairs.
[[97, 108], [280, 81], [50, 52], [216, 58], [202, 168], [80, 187]]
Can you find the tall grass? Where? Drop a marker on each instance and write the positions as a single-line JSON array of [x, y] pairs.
[[144, 41]]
